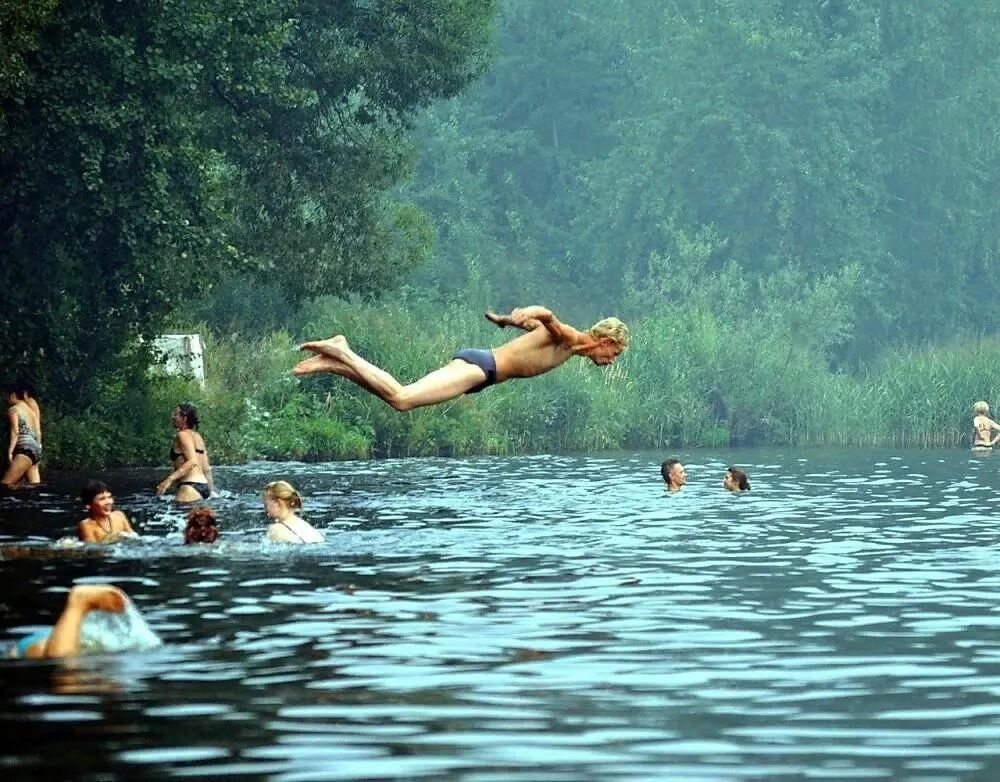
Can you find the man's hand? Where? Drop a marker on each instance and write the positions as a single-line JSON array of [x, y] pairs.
[[500, 320]]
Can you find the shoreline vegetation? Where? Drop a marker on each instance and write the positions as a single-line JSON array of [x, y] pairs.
[[680, 385]]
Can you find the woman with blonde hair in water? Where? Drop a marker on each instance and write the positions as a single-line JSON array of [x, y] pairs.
[[983, 427], [281, 500]]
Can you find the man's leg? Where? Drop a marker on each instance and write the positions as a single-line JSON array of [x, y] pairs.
[[65, 636], [335, 355]]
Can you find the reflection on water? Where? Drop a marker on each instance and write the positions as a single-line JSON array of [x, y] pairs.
[[556, 618]]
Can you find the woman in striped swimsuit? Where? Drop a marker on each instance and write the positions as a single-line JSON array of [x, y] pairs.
[[24, 448]]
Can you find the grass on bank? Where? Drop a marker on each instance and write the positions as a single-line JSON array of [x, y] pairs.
[[686, 382]]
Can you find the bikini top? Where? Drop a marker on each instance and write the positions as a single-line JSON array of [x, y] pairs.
[[175, 455]]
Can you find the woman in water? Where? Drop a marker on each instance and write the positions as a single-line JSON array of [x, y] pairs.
[[24, 448], [735, 480], [201, 526], [983, 427], [63, 638], [281, 500], [103, 524], [191, 470], [26, 393]]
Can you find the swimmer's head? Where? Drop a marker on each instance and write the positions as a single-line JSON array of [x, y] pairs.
[[284, 492], [92, 489], [187, 413], [981, 408], [202, 526], [613, 329], [736, 480]]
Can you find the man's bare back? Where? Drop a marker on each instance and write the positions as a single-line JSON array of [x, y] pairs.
[[547, 344]]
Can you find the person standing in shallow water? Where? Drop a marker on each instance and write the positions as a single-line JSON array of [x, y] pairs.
[[281, 500], [24, 446], [983, 427], [674, 474], [547, 344], [25, 390], [202, 526], [192, 470], [103, 524]]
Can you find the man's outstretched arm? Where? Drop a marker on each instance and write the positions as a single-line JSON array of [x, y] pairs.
[[531, 318]]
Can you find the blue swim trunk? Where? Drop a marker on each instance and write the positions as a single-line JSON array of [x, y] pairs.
[[482, 359]]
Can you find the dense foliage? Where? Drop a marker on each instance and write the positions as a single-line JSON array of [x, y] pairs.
[[150, 150], [643, 147]]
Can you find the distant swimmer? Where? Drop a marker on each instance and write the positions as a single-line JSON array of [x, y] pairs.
[[64, 637], [983, 427], [281, 500], [674, 474], [547, 344], [103, 524], [735, 480], [192, 471]]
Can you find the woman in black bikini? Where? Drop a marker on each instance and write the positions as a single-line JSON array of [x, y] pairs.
[[191, 470]]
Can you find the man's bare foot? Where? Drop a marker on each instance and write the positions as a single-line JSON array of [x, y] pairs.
[[99, 597]]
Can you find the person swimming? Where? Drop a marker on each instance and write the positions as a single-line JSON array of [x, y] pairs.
[[735, 480], [281, 500], [103, 524], [84, 627], [674, 475]]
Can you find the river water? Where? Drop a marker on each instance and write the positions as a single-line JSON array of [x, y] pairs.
[[535, 618]]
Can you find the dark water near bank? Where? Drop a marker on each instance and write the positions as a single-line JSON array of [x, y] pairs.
[[540, 618]]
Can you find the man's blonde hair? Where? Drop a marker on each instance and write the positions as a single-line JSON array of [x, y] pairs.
[[981, 408], [613, 329]]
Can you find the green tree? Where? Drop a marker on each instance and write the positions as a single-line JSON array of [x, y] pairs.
[[148, 149]]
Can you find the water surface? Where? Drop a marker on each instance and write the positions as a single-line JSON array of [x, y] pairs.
[[535, 618]]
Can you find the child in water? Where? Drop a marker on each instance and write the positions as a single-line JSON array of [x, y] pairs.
[[103, 524], [63, 638], [202, 526], [281, 500]]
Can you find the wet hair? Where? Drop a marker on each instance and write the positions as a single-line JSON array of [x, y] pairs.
[[189, 413], [202, 526], [285, 492], [24, 388], [91, 489], [612, 328], [981, 408], [666, 467], [740, 477]]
